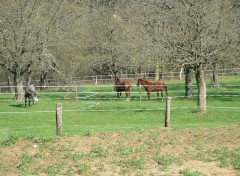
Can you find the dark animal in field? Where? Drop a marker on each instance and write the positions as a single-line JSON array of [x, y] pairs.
[[30, 95], [153, 87], [124, 86]]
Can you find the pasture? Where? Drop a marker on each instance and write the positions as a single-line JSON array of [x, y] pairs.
[[97, 110], [97, 115]]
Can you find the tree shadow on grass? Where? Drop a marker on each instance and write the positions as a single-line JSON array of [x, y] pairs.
[[17, 105]]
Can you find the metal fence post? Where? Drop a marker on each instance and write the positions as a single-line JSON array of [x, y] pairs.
[[59, 119]]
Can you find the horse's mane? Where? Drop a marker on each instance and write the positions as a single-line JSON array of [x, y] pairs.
[[146, 82]]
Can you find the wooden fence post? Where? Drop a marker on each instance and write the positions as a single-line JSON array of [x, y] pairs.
[[168, 109], [59, 119]]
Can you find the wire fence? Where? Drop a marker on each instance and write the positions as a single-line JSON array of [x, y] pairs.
[[99, 95], [152, 75], [136, 96], [98, 99], [105, 79], [98, 102]]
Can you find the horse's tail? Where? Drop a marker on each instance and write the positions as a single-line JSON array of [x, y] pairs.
[[166, 89]]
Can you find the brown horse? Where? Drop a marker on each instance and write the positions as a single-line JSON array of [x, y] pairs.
[[153, 87], [122, 86]]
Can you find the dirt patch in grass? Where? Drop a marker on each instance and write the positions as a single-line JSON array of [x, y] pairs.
[[211, 151]]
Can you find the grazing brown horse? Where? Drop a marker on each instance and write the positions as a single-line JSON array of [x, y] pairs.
[[122, 86], [153, 87]]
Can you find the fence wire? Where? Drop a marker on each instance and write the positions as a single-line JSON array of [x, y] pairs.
[[73, 95]]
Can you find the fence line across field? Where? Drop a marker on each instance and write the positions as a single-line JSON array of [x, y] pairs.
[[112, 92], [108, 85], [68, 89], [115, 110], [149, 75], [122, 99]]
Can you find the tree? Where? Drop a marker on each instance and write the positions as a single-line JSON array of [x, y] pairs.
[[197, 31], [188, 81], [108, 41], [21, 45], [29, 30], [153, 23]]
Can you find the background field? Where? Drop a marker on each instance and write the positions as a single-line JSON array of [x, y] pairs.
[[98, 110], [106, 136]]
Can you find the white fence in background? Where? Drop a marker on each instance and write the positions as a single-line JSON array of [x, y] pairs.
[[106, 79], [163, 76]]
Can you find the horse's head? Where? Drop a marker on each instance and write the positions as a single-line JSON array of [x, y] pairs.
[[117, 79], [139, 81]]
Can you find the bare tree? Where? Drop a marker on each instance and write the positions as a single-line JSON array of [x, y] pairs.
[[197, 31], [107, 47], [29, 30], [21, 45]]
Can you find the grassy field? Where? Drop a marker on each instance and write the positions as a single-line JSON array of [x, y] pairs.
[[97, 110], [104, 136]]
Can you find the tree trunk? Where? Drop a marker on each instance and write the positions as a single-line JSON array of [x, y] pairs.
[[9, 80], [201, 88], [188, 82], [157, 71], [43, 80], [180, 72], [29, 77], [215, 76], [18, 87]]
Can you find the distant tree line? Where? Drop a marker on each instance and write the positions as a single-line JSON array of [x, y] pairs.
[[67, 38]]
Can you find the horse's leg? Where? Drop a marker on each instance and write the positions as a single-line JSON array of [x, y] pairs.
[[128, 95], [157, 95], [162, 95], [25, 101], [118, 95], [31, 99], [148, 94]]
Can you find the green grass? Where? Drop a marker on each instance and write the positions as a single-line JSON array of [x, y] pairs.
[[189, 152], [187, 172], [165, 161], [93, 115]]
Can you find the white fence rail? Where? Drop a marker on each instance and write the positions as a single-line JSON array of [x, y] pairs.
[[151, 75], [102, 79]]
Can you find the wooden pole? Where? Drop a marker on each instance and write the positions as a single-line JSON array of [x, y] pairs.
[[59, 119], [168, 109]]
